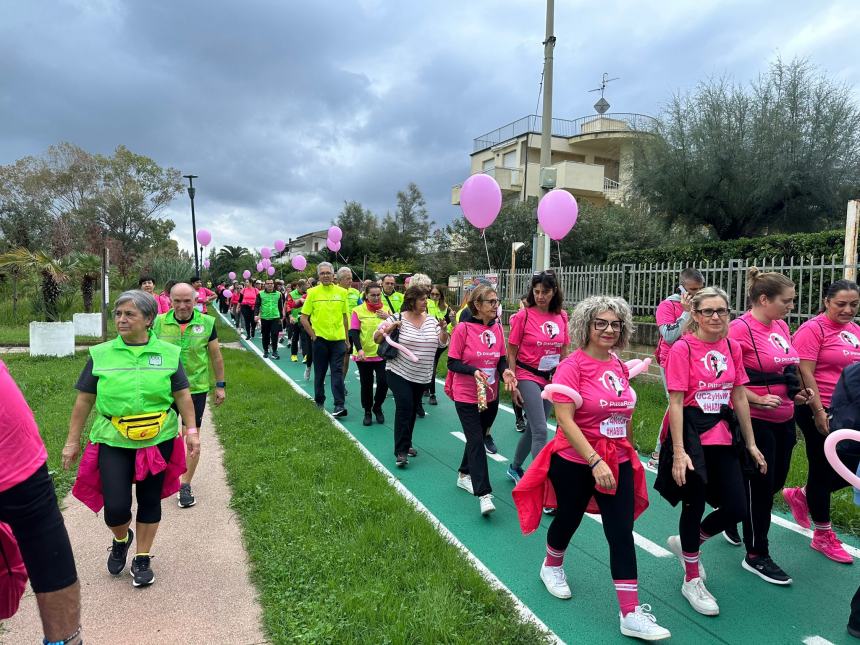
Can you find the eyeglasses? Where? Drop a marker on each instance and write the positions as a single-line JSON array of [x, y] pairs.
[[494, 302], [600, 324], [722, 312]]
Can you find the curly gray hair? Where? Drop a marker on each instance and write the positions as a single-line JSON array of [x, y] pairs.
[[421, 280], [587, 310]]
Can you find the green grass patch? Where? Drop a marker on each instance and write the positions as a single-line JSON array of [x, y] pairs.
[[336, 553], [226, 333]]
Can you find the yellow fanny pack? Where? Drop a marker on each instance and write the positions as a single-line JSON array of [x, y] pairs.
[[139, 427]]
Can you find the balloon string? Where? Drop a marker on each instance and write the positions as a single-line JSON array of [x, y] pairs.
[[558, 246], [487, 248]]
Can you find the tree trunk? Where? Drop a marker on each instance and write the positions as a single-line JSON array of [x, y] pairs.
[[87, 290], [50, 295], [15, 296]]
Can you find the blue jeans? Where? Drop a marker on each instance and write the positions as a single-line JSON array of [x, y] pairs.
[[329, 354]]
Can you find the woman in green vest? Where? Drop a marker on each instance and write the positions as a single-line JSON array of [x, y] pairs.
[[133, 381], [365, 321]]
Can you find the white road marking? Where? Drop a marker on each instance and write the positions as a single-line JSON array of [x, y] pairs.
[[644, 543], [816, 640], [496, 457]]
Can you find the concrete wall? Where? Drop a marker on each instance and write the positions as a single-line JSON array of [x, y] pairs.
[[88, 324], [52, 339]]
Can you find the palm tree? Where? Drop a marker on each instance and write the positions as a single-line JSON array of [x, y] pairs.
[[230, 258], [87, 268], [52, 273]]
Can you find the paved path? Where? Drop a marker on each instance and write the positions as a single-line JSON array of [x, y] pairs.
[[812, 610], [202, 593]]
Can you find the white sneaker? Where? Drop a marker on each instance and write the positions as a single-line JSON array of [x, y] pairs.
[[487, 505], [308, 373], [699, 597], [674, 543], [555, 581], [465, 482], [641, 623]]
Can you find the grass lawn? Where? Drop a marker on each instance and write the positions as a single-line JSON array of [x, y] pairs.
[[336, 553], [226, 333]]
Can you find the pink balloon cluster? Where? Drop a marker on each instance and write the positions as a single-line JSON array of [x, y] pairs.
[[265, 252], [335, 235]]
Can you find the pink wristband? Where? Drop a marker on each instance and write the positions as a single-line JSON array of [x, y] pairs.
[[191, 431]]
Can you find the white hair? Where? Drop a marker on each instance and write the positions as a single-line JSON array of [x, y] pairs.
[[324, 264]]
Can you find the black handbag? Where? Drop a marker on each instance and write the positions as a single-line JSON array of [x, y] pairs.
[[386, 350]]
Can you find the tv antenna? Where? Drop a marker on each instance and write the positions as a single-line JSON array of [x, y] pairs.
[[602, 104]]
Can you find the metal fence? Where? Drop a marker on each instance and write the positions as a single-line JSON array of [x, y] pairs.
[[645, 285]]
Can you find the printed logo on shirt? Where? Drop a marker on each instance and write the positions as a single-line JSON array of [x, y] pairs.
[[780, 343], [155, 360], [488, 338], [715, 363], [198, 329], [612, 382], [849, 339], [550, 329]]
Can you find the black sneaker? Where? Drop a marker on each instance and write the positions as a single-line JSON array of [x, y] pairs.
[[367, 419], [380, 418], [339, 412], [766, 569], [265, 354], [732, 536], [432, 400], [142, 575], [490, 445], [412, 452], [401, 461], [119, 554], [420, 411], [186, 497], [854, 631], [276, 356], [521, 425]]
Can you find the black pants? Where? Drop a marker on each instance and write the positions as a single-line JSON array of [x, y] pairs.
[[854, 619], [725, 491], [432, 385], [30, 509], [574, 486], [329, 354], [269, 330], [776, 442], [301, 336], [518, 411], [367, 370], [407, 398], [822, 480], [223, 305], [247, 312], [116, 467], [475, 425]]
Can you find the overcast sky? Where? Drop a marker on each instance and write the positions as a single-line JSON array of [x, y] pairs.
[[285, 109]]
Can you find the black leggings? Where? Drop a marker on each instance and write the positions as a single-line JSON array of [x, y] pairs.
[[30, 508], [116, 467], [574, 486], [269, 330], [247, 312], [776, 442], [366, 372], [725, 491], [407, 398], [432, 385], [822, 480], [475, 425]]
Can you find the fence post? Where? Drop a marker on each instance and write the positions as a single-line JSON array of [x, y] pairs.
[[738, 268], [852, 223], [627, 270]]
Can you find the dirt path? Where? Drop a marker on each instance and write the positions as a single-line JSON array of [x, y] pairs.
[[202, 593]]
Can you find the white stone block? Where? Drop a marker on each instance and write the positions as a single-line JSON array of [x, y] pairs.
[[88, 324], [52, 339]]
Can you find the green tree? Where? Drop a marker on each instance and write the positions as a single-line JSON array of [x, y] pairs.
[[361, 235], [87, 268], [782, 154], [516, 223], [406, 233], [52, 274]]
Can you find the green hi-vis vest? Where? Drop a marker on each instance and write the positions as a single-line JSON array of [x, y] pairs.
[[194, 342], [269, 305], [296, 312], [393, 302], [369, 324], [133, 380], [353, 295]]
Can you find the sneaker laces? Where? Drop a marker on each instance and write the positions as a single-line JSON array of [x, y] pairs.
[[701, 591], [643, 612], [558, 575], [831, 539]]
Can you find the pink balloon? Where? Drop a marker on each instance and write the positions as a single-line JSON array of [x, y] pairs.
[[333, 245], [228, 293], [204, 237], [636, 366], [481, 200], [830, 452], [232, 275], [265, 252], [205, 264], [299, 263], [266, 262], [280, 245], [335, 234], [260, 267], [557, 213], [569, 392], [246, 274], [270, 270]]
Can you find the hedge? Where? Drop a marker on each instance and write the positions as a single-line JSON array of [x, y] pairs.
[[823, 243]]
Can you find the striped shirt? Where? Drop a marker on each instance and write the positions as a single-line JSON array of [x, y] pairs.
[[421, 341]]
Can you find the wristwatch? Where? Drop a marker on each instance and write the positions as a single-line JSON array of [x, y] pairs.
[[221, 384]]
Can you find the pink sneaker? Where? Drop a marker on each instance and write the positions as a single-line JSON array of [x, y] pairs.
[[827, 543], [796, 500]]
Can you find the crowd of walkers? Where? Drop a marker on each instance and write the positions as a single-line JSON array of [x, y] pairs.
[[736, 391]]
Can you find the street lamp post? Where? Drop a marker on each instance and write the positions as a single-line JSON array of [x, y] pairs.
[[191, 191], [540, 258]]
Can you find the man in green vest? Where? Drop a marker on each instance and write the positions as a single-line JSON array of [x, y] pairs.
[[391, 298], [353, 295], [269, 309], [194, 332]]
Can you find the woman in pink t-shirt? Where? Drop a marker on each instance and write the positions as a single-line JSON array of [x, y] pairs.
[[246, 307], [538, 342], [593, 466], [476, 360], [826, 344], [771, 365], [701, 461]]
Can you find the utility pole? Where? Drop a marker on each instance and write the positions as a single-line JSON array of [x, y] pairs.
[[542, 249], [852, 224], [191, 191]]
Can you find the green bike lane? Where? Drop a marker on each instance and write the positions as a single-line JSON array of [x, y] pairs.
[[814, 609]]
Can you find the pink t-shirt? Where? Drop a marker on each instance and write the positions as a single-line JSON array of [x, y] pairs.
[[481, 347], [249, 296], [832, 346], [607, 399], [668, 313], [164, 304], [540, 338], [234, 299], [706, 373], [202, 295], [775, 353], [22, 451]]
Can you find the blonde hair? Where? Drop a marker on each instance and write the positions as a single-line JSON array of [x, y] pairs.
[[421, 280], [478, 293], [703, 294], [769, 284], [587, 310]]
